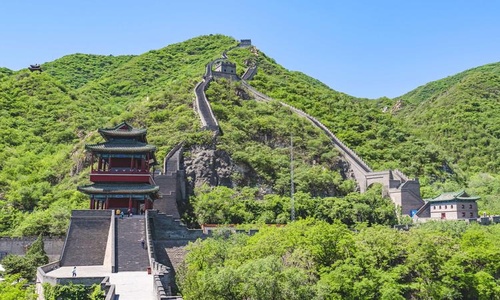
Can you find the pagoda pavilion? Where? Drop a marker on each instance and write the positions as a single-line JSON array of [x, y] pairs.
[[120, 170]]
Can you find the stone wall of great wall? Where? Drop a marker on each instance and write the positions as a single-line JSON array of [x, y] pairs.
[[18, 246], [166, 239]]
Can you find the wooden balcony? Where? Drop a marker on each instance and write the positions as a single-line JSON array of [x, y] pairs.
[[121, 176]]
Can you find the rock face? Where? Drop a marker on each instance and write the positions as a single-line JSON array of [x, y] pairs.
[[242, 94], [207, 166], [215, 168]]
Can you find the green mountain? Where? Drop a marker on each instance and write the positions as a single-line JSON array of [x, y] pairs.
[[46, 118], [460, 114]]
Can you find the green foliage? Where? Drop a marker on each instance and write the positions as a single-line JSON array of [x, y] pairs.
[[97, 293], [460, 117], [46, 118], [311, 259], [381, 140], [222, 205], [445, 132], [13, 287], [72, 291]]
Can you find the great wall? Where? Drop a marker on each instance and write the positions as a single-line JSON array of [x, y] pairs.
[[404, 192], [98, 241]]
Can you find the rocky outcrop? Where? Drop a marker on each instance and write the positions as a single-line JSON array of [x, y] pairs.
[[397, 106], [208, 166]]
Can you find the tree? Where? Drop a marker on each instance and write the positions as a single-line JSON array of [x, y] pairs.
[[13, 287]]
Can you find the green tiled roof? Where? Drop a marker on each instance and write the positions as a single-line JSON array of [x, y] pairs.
[[121, 146], [122, 130], [118, 188], [454, 196]]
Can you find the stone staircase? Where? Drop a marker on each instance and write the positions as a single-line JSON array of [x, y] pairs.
[[202, 106], [170, 183], [87, 238], [168, 187], [130, 256]]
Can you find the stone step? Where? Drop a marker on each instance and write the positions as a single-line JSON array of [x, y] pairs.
[[130, 254]]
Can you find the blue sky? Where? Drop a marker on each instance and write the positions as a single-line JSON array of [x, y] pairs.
[[363, 48]]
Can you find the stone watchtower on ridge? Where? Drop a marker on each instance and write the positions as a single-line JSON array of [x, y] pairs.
[[245, 43], [226, 67]]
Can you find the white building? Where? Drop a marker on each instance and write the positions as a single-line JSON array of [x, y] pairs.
[[453, 206]]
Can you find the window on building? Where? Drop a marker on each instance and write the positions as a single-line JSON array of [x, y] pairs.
[[452, 206], [439, 206], [434, 206], [471, 214], [446, 207], [463, 214], [463, 206], [470, 206]]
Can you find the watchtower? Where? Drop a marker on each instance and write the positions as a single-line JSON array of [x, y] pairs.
[[245, 43], [226, 67]]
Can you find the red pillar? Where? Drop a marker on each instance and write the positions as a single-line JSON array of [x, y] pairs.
[[92, 163], [107, 203], [92, 203], [130, 203]]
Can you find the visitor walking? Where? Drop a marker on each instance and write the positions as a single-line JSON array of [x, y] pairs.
[[74, 272], [142, 243]]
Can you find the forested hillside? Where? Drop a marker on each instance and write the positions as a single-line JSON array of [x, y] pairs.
[[445, 133], [342, 247], [48, 117], [364, 125], [459, 114]]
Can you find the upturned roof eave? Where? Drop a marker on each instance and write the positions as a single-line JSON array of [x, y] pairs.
[[110, 147], [118, 189]]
